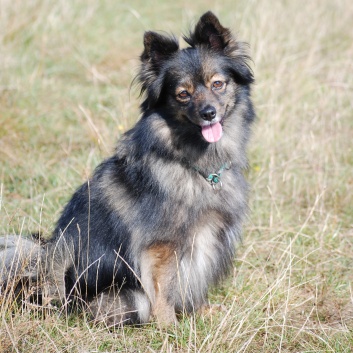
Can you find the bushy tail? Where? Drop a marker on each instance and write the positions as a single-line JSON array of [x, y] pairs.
[[33, 271], [20, 264]]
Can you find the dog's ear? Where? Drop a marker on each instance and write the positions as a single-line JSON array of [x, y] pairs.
[[158, 49], [210, 32]]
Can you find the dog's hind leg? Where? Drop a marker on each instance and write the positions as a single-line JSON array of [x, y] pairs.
[[128, 306], [156, 297]]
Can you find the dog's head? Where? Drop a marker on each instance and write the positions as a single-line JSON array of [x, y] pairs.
[[197, 86]]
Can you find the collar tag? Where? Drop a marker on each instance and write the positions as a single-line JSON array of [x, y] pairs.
[[215, 181]]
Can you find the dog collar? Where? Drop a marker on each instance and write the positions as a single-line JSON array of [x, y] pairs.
[[214, 179]]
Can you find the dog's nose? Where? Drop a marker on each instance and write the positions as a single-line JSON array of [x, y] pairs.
[[208, 113]]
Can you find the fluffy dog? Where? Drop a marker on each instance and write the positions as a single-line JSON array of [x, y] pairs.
[[157, 223]]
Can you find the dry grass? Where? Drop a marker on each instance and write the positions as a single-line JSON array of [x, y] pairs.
[[64, 99]]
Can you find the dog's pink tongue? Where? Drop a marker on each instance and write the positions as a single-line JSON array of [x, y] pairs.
[[212, 133]]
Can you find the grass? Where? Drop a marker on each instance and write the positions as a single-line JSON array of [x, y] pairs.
[[65, 73]]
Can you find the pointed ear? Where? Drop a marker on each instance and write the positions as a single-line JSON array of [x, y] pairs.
[[210, 32], [158, 47]]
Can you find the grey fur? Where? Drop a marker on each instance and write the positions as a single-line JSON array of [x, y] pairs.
[[19, 258], [147, 236]]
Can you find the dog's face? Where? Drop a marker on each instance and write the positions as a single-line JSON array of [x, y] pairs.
[[200, 91], [198, 85]]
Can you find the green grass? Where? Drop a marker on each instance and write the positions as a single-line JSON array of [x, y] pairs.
[[65, 98]]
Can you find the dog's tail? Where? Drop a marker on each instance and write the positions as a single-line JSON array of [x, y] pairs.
[[20, 264], [32, 270]]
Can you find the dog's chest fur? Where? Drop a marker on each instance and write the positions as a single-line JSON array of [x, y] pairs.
[[187, 230]]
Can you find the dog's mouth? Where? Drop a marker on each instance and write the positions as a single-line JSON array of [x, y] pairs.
[[212, 132]]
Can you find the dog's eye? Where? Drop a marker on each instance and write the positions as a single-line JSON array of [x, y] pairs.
[[183, 95], [217, 85]]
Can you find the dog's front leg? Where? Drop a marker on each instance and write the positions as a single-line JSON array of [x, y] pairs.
[[158, 269]]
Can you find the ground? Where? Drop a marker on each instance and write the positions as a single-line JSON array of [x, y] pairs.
[[65, 98]]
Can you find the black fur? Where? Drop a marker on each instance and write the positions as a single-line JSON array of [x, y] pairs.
[[147, 235]]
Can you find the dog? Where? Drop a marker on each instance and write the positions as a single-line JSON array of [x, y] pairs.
[[158, 222]]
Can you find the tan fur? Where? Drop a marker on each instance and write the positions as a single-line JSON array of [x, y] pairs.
[[148, 234], [185, 86], [159, 267], [210, 80]]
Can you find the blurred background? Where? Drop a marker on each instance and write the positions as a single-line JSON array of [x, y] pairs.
[[66, 69]]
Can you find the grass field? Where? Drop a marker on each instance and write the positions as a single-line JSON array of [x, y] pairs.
[[65, 98]]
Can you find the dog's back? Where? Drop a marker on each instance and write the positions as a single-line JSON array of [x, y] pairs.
[[157, 223]]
